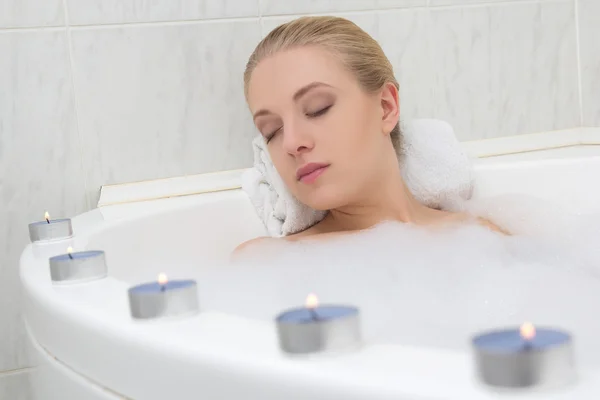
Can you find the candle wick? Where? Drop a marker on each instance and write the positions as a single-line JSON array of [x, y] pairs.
[[47, 221], [70, 256], [162, 288]]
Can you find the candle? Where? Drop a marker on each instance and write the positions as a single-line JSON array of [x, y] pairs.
[[317, 328], [163, 298], [524, 357], [78, 267], [57, 229]]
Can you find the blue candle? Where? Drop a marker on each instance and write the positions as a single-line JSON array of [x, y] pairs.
[[315, 328], [50, 229], [322, 313], [163, 298], [78, 255], [511, 341], [156, 287], [524, 357], [77, 267]]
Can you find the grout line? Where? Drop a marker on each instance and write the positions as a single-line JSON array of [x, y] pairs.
[[346, 12], [487, 4], [427, 6], [18, 371], [88, 203], [431, 43], [579, 71], [33, 29], [114, 25], [260, 19]]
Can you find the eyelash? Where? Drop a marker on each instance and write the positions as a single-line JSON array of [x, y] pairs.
[[312, 115], [320, 112]]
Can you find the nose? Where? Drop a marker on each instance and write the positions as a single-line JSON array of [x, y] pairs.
[[297, 139]]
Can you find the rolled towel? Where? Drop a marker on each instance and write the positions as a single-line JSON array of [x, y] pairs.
[[434, 166], [281, 213]]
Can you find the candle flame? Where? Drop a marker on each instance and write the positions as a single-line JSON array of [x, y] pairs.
[[162, 279], [47, 216], [312, 301], [69, 250], [527, 331]]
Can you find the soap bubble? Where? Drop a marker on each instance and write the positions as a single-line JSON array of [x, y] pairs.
[[433, 287]]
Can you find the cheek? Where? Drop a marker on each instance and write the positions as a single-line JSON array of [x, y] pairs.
[[282, 164], [358, 149], [356, 128]]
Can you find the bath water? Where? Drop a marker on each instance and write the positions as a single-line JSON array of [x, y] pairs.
[[434, 288]]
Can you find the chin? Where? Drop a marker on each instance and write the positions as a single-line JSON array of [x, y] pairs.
[[322, 199]]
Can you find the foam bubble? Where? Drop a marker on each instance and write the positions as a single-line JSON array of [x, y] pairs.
[[416, 286]]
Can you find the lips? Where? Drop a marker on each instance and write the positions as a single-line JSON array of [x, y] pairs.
[[310, 172]]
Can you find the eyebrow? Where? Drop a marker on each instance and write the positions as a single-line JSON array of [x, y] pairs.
[[299, 93]]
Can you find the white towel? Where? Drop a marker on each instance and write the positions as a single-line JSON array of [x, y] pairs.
[[434, 166]]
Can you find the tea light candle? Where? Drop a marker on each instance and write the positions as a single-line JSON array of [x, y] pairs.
[[57, 229], [518, 358], [316, 328], [78, 267], [163, 298]]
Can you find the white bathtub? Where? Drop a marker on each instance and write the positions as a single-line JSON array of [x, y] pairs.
[[86, 345]]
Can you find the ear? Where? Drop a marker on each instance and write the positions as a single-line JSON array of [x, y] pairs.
[[390, 105]]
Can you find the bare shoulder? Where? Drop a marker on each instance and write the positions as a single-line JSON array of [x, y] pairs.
[[269, 239], [463, 217], [250, 243]]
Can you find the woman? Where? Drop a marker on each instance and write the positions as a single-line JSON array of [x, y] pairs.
[[324, 96]]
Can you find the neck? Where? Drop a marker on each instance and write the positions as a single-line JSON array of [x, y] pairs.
[[386, 198]]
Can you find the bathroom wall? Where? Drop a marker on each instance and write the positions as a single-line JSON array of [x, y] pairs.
[[589, 48], [104, 91]]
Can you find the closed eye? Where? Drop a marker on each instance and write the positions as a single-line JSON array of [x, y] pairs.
[[269, 137], [310, 115], [320, 112]]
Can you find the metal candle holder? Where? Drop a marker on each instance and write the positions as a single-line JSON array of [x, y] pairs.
[[163, 299], [504, 359], [315, 328], [78, 267], [57, 229]]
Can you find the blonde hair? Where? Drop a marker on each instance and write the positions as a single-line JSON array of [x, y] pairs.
[[357, 50]]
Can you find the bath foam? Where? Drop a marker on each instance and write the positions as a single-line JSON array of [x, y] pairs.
[[429, 288]]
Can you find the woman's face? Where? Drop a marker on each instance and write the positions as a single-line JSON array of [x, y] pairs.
[[326, 136]]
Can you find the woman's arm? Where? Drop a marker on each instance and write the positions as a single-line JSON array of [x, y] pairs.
[[490, 225]]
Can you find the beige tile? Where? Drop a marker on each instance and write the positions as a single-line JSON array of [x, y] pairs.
[[31, 13], [40, 160], [589, 32], [15, 386], [161, 101], [278, 7], [506, 69], [89, 12]]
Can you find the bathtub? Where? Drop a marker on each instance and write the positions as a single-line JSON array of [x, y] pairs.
[[86, 346]]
